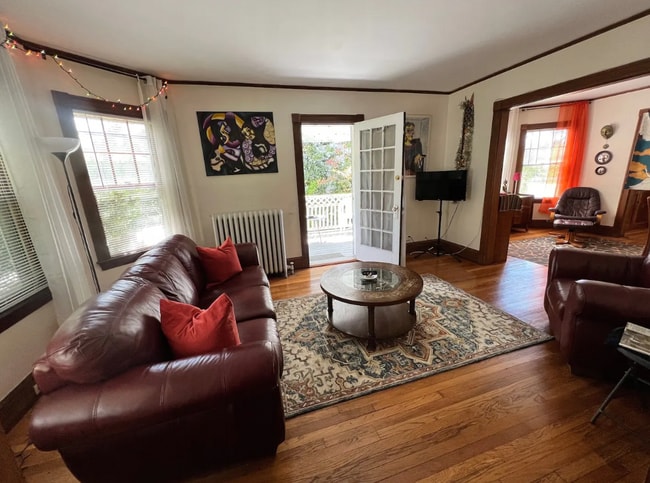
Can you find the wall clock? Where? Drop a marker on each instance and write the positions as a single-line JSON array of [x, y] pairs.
[[600, 170], [603, 157]]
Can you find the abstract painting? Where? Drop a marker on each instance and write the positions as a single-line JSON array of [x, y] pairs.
[[639, 166], [237, 142]]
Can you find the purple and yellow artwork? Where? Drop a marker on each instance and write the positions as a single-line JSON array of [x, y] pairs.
[[238, 142]]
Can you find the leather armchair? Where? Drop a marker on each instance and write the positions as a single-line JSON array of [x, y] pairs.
[[589, 294], [577, 209]]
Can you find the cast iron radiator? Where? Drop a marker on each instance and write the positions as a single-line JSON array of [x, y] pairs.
[[265, 228]]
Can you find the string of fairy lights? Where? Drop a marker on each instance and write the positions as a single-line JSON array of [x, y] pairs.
[[11, 42]]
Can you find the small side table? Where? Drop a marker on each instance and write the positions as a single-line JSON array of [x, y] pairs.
[[637, 360]]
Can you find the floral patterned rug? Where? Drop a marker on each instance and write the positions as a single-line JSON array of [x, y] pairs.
[[537, 250], [323, 366]]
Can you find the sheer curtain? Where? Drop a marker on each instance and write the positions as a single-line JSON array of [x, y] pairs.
[[175, 200], [47, 213], [574, 116], [510, 150]]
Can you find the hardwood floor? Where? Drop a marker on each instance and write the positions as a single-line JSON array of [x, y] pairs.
[[518, 417]]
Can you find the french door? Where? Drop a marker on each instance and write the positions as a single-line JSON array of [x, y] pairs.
[[377, 185]]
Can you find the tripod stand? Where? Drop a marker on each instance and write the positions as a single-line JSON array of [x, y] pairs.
[[436, 249]]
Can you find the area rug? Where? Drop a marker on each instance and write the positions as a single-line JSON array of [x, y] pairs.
[[323, 366], [537, 250]]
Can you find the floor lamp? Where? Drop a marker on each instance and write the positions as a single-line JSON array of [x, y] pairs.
[[62, 148]]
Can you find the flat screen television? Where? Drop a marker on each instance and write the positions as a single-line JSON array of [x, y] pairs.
[[441, 185]]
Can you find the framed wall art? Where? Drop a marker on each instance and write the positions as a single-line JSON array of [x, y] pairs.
[[639, 165], [237, 142], [416, 143]]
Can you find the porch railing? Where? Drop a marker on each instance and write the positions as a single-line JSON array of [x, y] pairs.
[[329, 213]]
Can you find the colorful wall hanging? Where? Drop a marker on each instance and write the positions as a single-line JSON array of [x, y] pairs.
[[464, 153], [638, 177], [238, 142]]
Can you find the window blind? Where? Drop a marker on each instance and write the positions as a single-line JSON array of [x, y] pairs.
[[21, 274], [120, 168]]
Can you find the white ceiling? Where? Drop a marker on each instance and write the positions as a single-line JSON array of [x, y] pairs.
[[430, 45]]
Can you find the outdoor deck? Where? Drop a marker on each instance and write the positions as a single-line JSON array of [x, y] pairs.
[[332, 247]]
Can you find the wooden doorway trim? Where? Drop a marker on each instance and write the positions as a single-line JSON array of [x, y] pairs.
[[297, 120], [501, 110]]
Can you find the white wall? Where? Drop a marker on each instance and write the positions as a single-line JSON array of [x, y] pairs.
[[610, 49], [622, 112], [215, 194]]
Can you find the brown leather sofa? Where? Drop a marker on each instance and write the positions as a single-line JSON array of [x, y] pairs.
[[588, 295], [118, 407]]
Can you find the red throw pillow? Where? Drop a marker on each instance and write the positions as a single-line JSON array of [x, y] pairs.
[[192, 331], [220, 263]]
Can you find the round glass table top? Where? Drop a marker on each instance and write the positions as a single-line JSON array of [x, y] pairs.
[[371, 283], [370, 279]]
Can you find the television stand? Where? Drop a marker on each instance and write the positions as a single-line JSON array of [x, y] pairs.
[[436, 249]]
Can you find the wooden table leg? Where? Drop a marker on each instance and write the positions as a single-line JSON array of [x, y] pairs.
[[372, 342], [412, 306]]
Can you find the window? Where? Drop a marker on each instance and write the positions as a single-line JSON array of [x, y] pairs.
[[23, 287], [541, 148], [115, 177]]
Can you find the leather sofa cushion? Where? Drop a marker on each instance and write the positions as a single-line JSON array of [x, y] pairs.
[[112, 332], [644, 274], [184, 248], [262, 330], [166, 272], [250, 302]]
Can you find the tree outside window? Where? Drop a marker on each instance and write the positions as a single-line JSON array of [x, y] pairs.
[[541, 148]]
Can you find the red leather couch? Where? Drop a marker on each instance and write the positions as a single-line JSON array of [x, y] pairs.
[[589, 294], [119, 408]]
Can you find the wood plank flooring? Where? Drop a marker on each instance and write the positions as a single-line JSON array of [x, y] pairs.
[[518, 417]]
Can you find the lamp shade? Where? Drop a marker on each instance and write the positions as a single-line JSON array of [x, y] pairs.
[[56, 145]]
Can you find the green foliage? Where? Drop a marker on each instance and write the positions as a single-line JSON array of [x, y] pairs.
[[126, 211], [327, 167]]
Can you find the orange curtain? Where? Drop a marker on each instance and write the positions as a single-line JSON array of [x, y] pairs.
[[574, 117]]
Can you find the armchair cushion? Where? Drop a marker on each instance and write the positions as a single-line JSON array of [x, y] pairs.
[[192, 331]]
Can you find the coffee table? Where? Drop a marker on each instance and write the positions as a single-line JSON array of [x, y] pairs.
[[379, 308]]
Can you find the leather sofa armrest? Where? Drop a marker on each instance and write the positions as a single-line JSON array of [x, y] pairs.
[[607, 301], [248, 254], [148, 395], [574, 264]]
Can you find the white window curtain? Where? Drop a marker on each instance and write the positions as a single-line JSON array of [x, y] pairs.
[[177, 206], [512, 144], [36, 176]]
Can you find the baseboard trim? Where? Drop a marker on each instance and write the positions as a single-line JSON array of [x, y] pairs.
[[17, 403]]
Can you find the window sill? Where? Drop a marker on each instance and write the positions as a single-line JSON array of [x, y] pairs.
[[20, 311]]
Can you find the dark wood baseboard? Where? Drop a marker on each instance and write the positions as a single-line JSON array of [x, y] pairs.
[[17, 403]]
